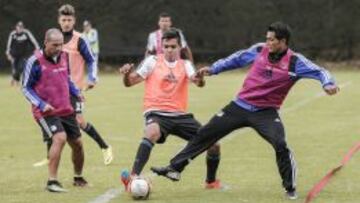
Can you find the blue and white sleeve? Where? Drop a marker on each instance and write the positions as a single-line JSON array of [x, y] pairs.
[[88, 56], [31, 76], [304, 68], [236, 60], [73, 89], [9, 42]]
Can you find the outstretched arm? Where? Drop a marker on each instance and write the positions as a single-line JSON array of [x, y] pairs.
[[304, 68], [193, 76], [236, 60], [130, 77]]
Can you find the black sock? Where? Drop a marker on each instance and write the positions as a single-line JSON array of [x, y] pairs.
[[212, 163], [91, 131], [142, 156]]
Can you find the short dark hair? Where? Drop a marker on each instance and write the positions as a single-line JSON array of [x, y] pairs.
[[164, 15], [281, 30], [173, 33], [86, 22], [67, 10], [20, 24]]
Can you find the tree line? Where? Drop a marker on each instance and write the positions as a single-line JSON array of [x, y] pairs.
[[322, 29]]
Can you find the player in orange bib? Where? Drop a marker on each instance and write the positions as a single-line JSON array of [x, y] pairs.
[[166, 78], [80, 55]]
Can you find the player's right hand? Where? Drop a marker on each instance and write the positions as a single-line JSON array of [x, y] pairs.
[[48, 108], [204, 71], [125, 69], [331, 89]]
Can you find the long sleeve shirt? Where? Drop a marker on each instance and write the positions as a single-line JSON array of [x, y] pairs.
[[32, 75], [303, 68]]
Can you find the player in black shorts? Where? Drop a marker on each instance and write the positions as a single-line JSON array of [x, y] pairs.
[[51, 106], [166, 80]]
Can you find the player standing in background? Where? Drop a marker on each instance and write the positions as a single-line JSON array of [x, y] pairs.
[[166, 80], [275, 69], [154, 44], [48, 87], [91, 35], [21, 44]]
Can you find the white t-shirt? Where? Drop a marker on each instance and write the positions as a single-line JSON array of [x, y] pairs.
[[148, 65], [152, 41]]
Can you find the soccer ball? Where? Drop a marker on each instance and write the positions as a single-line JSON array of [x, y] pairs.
[[139, 188]]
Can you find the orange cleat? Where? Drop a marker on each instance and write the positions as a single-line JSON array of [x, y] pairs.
[[214, 185]]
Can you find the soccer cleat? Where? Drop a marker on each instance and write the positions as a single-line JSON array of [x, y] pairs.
[[291, 194], [167, 172], [41, 163], [54, 186], [108, 155], [125, 179], [80, 182], [214, 185]]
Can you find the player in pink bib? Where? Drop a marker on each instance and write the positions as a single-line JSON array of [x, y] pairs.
[[274, 70], [48, 87]]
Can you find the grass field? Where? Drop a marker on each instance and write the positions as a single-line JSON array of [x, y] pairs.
[[320, 130]]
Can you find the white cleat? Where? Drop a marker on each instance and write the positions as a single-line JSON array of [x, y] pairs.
[[43, 162], [55, 186], [108, 155], [291, 195]]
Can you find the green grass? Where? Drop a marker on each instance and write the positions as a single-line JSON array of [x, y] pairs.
[[320, 132]]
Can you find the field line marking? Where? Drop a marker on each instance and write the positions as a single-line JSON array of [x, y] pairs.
[[107, 196]]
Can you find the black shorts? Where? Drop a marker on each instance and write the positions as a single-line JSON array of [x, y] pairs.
[[51, 125], [184, 126], [77, 105]]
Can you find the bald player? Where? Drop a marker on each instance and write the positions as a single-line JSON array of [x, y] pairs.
[[48, 88]]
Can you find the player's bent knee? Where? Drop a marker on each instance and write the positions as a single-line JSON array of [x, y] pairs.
[[59, 138], [153, 137], [152, 132]]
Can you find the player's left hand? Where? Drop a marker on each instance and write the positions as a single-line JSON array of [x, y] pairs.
[[331, 89], [204, 71], [126, 68]]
